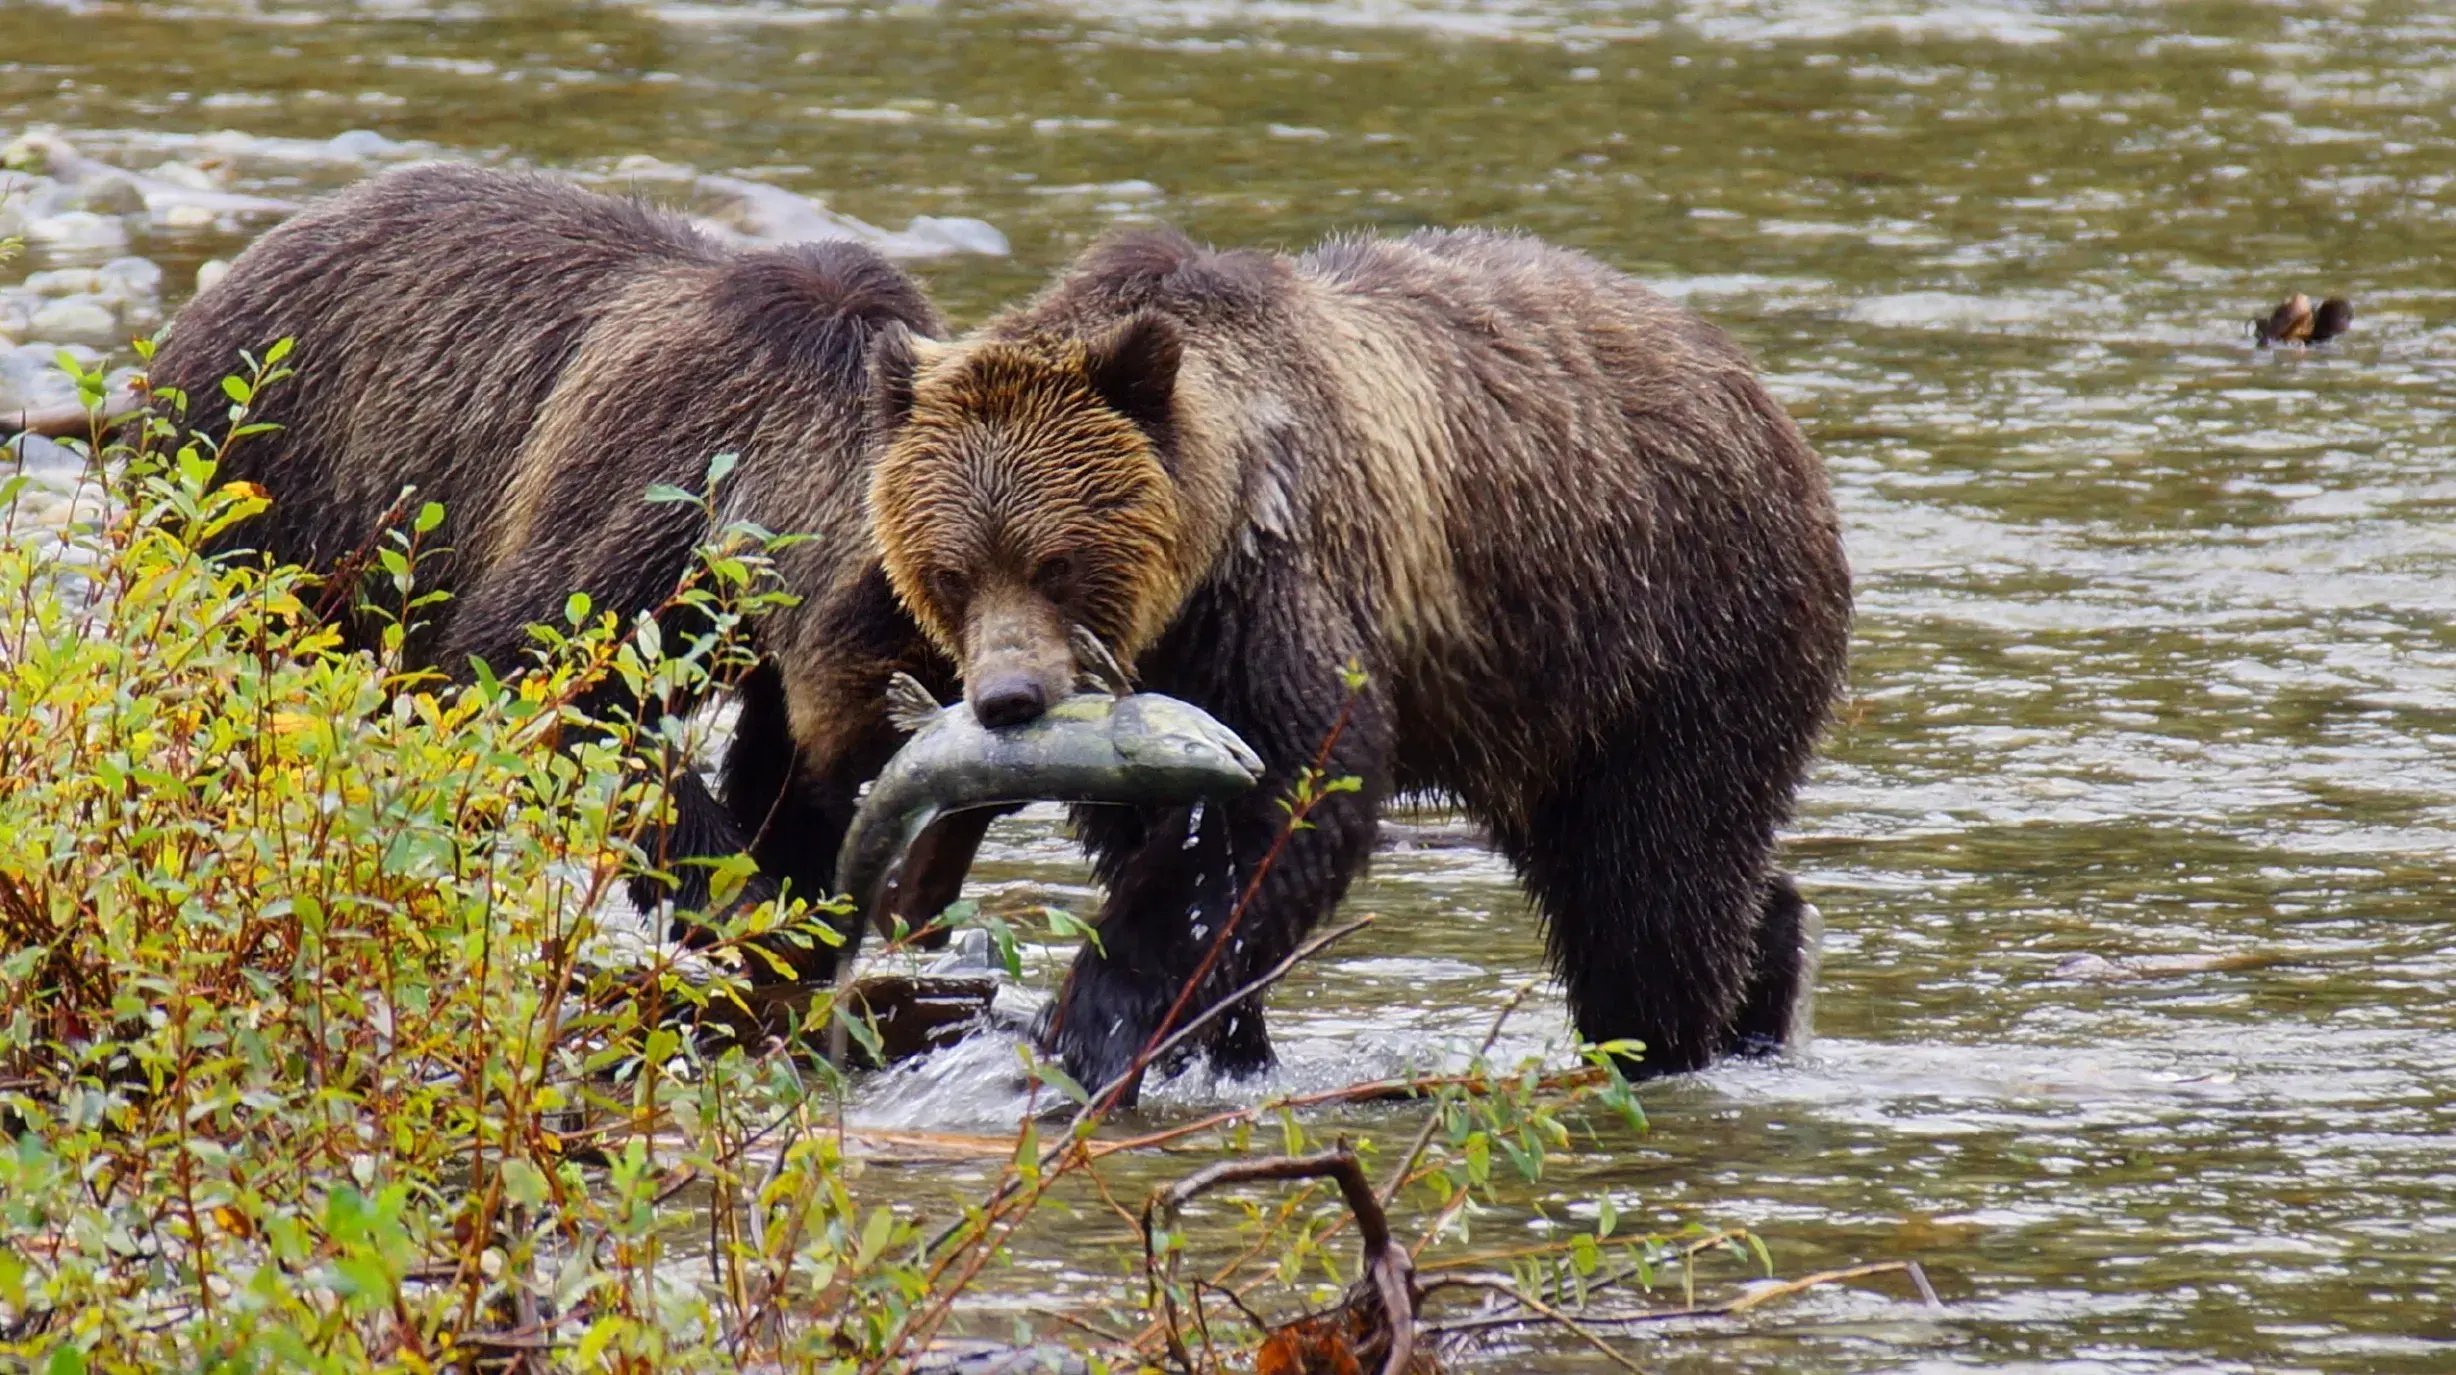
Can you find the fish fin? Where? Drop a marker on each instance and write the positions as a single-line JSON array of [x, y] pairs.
[[910, 706], [1097, 669]]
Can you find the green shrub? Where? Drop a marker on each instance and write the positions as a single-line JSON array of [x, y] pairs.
[[297, 1000]]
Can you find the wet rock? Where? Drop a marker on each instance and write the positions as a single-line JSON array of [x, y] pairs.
[[30, 378], [185, 176], [108, 193], [64, 281], [129, 279], [210, 273], [44, 459], [78, 231], [78, 320], [363, 145], [961, 234], [758, 213], [188, 197]]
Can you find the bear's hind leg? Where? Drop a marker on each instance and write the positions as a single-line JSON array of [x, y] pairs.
[[1772, 1012], [1648, 859]]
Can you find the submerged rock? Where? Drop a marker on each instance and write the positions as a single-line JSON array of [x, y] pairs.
[[755, 212]]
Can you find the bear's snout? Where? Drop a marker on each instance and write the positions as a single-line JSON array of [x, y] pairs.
[[1010, 700]]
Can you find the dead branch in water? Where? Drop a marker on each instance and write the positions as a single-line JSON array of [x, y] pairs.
[[1388, 1281], [1535, 1312]]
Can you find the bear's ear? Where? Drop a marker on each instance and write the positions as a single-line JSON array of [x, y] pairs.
[[897, 355], [1134, 370]]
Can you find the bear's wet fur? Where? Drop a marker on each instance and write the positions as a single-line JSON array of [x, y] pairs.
[[535, 356], [1591, 569]]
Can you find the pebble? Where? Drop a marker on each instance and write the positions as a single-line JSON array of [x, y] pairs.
[[112, 193], [78, 231], [78, 320], [210, 273], [129, 279], [45, 459], [65, 281], [30, 377], [961, 233]]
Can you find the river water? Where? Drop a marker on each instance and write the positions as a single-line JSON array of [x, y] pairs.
[[2155, 662]]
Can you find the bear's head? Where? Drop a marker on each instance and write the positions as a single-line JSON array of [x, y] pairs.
[[1027, 485]]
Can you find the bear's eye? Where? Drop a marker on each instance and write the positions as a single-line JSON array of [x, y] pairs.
[[1052, 572], [948, 587]]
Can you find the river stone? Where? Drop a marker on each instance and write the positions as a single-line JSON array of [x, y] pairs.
[[78, 320], [78, 231], [65, 281], [210, 273], [362, 145], [186, 176], [44, 459], [961, 233], [30, 379], [129, 279], [111, 193], [185, 216]]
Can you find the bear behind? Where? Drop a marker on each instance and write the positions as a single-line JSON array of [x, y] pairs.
[[535, 357], [1592, 570]]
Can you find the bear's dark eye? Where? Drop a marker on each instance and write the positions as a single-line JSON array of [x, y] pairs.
[[949, 587], [1053, 572]]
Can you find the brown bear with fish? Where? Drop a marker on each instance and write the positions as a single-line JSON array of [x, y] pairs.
[[1590, 571]]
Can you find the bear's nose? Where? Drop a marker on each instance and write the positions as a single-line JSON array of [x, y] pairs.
[[1009, 701]]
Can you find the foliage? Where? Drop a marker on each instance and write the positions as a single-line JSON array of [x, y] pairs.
[[316, 1053]]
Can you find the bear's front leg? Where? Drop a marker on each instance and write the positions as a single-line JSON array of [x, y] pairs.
[[1183, 895]]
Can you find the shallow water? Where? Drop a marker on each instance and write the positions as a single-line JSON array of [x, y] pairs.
[[2155, 653]]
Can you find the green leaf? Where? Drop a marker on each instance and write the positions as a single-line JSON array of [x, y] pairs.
[[430, 515], [1055, 1076], [721, 466], [666, 493], [237, 390], [523, 1183], [65, 1360], [279, 351]]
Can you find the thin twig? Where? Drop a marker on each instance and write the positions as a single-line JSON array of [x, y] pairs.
[[1742, 1304], [1547, 1313]]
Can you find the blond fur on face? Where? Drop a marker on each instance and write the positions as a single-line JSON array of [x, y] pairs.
[[1012, 477]]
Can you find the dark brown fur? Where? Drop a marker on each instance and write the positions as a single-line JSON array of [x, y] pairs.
[[1594, 572], [534, 357]]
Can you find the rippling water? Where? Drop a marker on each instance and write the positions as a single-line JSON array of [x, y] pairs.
[[2155, 654]]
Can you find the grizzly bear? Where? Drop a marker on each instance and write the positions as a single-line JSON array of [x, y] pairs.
[[534, 357], [1592, 573]]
